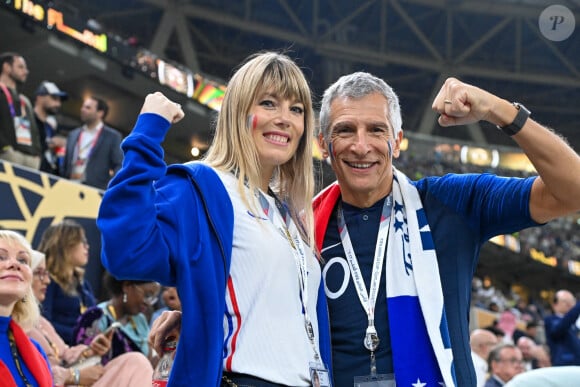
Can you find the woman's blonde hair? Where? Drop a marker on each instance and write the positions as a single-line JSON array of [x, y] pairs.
[[26, 311], [233, 147], [57, 243]]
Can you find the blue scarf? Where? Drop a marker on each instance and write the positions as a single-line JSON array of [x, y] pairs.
[[420, 341]]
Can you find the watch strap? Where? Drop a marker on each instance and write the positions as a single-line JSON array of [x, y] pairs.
[[519, 120]]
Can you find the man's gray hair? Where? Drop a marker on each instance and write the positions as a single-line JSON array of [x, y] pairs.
[[355, 86]]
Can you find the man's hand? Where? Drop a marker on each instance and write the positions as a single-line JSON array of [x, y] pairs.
[[166, 325], [159, 104], [459, 104]]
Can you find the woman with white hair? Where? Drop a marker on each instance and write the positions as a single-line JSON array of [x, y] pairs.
[[22, 361]]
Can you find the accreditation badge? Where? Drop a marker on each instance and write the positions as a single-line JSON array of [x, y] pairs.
[[22, 129], [378, 380], [319, 375]]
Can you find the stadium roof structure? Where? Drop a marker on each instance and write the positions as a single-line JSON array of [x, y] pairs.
[[515, 49]]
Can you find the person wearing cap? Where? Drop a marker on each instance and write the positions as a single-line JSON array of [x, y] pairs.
[[19, 135], [47, 102]]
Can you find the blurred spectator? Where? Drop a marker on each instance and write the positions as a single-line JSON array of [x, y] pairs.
[[93, 151], [505, 361], [535, 356], [129, 300], [507, 323], [83, 361], [19, 135], [47, 102], [561, 330], [68, 295], [530, 331], [481, 342], [496, 331]]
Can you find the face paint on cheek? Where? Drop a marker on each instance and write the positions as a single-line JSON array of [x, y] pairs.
[[390, 145], [252, 122], [330, 150]]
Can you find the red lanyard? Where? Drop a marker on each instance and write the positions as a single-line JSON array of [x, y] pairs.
[[11, 101], [97, 135]]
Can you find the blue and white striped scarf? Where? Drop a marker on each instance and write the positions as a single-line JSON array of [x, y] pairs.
[[420, 341]]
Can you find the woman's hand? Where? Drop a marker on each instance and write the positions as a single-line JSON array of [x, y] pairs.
[[91, 374], [159, 104], [100, 345]]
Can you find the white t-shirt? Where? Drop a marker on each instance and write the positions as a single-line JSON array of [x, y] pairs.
[[264, 329]]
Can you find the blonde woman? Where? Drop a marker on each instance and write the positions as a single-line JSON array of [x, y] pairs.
[[252, 296], [68, 295], [22, 361]]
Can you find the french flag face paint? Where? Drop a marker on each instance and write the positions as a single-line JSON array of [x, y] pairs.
[[330, 150], [390, 149], [252, 121]]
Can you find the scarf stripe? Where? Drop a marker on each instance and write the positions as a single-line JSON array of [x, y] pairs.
[[421, 345]]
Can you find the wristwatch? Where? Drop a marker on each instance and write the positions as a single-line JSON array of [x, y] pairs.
[[519, 121]]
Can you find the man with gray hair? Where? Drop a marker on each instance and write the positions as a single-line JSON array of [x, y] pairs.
[[415, 244], [505, 361]]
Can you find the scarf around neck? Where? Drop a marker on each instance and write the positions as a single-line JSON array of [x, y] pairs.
[[35, 362], [420, 341]]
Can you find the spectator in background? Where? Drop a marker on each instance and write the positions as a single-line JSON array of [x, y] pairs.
[[129, 300], [562, 334], [93, 151], [481, 342], [47, 102], [19, 136], [507, 323], [81, 364], [68, 295], [530, 331], [22, 361], [535, 356], [505, 361], [496, 331]]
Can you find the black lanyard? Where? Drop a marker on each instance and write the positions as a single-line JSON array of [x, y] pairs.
[[16, 358]]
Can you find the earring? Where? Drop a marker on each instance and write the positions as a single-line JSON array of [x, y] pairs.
[[124, 298], [24, 299]]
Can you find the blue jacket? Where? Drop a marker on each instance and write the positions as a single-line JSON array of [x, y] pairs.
[[175, 226], [562, 337]]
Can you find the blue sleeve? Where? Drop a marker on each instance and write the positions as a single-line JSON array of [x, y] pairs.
[[492, 204], [143, 217], [116, 152]]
